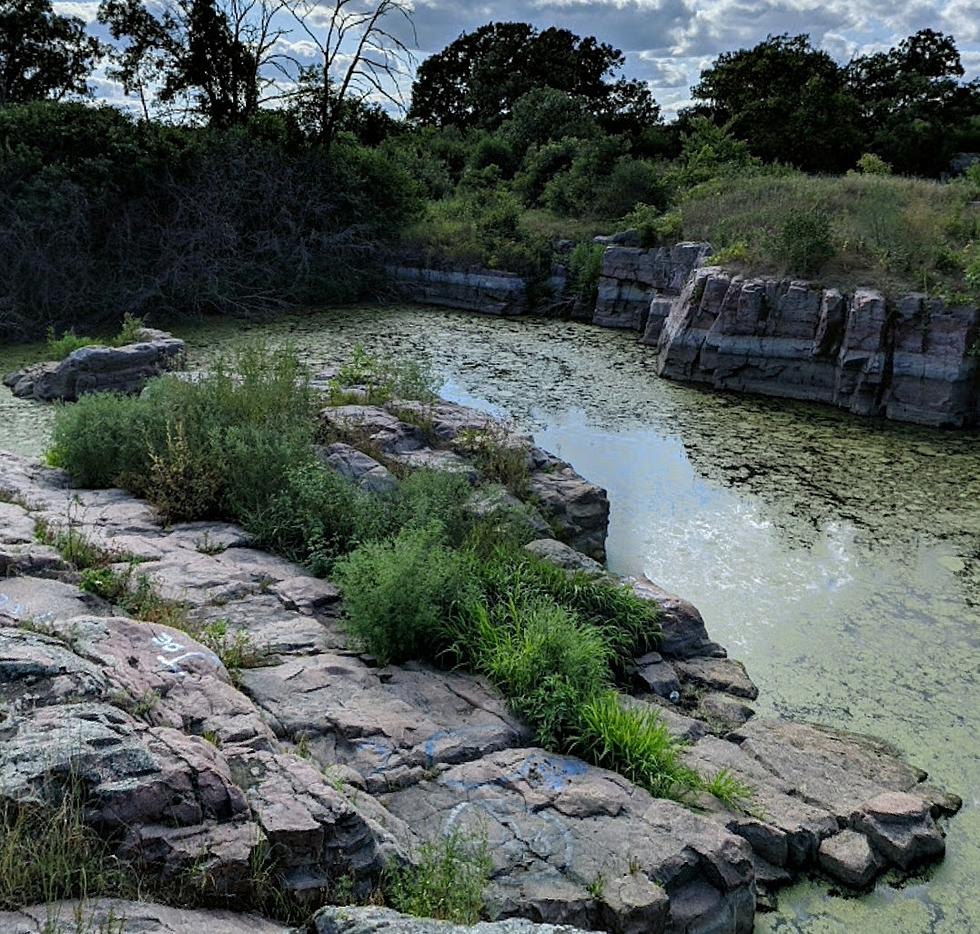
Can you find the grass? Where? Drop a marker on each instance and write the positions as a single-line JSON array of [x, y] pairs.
[[381, 380], [498, 458], [889, 232], [47, 853], [447, 881], [57, 348]]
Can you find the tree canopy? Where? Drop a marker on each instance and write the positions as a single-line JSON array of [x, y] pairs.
[[477, 79], [43, 55]]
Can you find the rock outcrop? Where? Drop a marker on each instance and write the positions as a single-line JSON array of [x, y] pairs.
[[635, 283], [913, 361], [332, 766], [487, 291], [385, 921], [123, 369]]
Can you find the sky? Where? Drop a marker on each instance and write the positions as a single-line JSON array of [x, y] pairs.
[[668, 42]]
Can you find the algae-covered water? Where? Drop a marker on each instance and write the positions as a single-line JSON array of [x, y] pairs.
[[839, 558]]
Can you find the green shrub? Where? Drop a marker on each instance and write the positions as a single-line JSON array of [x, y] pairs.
[[543, 658], [497, 457], [654, 226], [805, 242], [870, 164], [447, 882], [57, 348], [634, 742], [584, 270], [400, 594], [383, 379]]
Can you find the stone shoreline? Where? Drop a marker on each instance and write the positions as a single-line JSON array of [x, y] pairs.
[[339, 766], [913, 360]]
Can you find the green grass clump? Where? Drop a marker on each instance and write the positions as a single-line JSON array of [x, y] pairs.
[[57, 348], [47, 853], [498, 458], [447, 882], [400, 594], [634, 742], [382, 379]]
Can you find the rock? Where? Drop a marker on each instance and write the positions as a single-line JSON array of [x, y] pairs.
[[489, 292], [332, 920], [446, 421], [373, 425], [720, 674], [566, 557], [16, 526], [847, 857], [391, 725], [306, 594], [42, 601], [320, 833], [32, 561], [901, 829], [632, 278], [572, 844], [684, 632], [791, 339], [496, 502], [100, 369], [360, 469], [629, 237], [579, 510], [107, 915], [683, 728], [655, 675], [723, 712]]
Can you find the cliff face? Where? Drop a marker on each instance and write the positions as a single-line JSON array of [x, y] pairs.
[[911, 361], [493, 293], [633, 280]]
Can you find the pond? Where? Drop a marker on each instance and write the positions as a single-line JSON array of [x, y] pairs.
[[839, 558]]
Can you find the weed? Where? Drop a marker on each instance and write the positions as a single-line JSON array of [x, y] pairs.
[[597, 887], [729, 790], [447, 881], [146, 703], [237, 651], [498, 457]]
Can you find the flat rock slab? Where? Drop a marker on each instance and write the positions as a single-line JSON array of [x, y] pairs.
[[41, 601], [572, 844], [16, 525], [900, 829], [112, 915], [719, 674], [385, 921], [391, 725]]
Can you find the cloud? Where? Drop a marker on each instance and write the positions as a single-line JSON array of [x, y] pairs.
[[668, 42]]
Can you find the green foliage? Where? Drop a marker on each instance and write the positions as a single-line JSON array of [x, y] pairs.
[[584, 270], [399, 594], [447, 881], [870, 164], [654, 226], [57, 348], [236, 650], [805, 243], [635, 742], [497, 456], [47, 853], [545, 115], [382, 379], [543, 658]]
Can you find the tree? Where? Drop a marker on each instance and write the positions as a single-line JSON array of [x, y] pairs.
[[913, 102], [43, 55], [216, 58], [361, 61], [787, 100], [477, 79]]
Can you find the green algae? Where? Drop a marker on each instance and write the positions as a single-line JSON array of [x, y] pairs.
[[838, 557]]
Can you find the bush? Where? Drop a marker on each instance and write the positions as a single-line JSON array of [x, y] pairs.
[[400, 594], [654, 226], [447, 881], [634, 742], [870, 164], [57, 348], [805, 243], [584, 271], [545, 661]]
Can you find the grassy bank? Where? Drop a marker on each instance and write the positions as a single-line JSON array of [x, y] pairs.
[[422, 579]]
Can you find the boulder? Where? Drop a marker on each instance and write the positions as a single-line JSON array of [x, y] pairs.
[[900, 829], [368, 920], [360, 469], [124, 369], [655, 675], [847, 857], [566, 557], [392, 725], [572, 844], [684, 632], [719, 674], [577, 509]]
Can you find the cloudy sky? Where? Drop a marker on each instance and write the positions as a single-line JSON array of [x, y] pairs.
[[668, 42]]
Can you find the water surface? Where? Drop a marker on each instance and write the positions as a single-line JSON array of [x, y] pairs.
[[838, 557]]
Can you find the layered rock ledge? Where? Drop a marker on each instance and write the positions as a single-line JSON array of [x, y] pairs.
[[336, 766], [125, 369]]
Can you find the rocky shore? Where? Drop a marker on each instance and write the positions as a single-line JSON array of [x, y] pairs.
[[915, 359], [336, 767]]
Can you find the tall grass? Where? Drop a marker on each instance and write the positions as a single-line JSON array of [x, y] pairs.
[[884, 231]]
